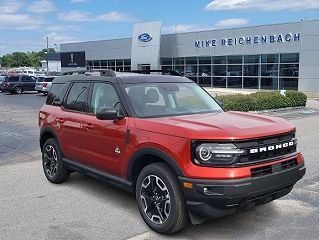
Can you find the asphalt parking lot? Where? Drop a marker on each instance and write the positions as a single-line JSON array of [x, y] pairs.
[[84, 208]]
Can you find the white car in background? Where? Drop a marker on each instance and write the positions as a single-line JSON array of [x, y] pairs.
[[43, 84], [33, 73]]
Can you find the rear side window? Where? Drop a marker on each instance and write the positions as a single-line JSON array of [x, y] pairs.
[[77, 97], [56, 94], [40, 79], [27, 79], [13, 79]]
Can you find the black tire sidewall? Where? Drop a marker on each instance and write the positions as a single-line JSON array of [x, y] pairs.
[[176, 197]]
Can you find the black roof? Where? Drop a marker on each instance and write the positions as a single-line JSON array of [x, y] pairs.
[[52, 57], [122, 78]]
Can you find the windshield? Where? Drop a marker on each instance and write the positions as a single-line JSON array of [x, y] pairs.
[[169, 99]]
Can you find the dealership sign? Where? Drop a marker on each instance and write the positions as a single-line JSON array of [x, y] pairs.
[[145, 37], [250, 40], [73, 59]]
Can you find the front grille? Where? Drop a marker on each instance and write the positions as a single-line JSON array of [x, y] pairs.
[[266, 170], [250, 158]]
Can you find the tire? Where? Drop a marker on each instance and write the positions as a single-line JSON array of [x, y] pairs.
[[52, 163], [162, 209], [18, 90]]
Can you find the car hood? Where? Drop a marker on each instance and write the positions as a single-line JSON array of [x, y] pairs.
[[220, 125]]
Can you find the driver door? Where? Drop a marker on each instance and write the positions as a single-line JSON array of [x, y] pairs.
[[104, 139]]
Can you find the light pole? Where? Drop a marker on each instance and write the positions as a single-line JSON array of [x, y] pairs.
[[47, 55]]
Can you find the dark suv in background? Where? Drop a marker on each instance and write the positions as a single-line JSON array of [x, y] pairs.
[[19, 84], [3, 80]]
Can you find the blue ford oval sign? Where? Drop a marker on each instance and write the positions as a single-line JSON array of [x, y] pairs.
[[145, 37]]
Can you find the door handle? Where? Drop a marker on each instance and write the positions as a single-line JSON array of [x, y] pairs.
[[60, 120], [88, 126]]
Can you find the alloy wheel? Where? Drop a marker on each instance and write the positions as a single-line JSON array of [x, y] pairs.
[[155, 199], [50, 161]]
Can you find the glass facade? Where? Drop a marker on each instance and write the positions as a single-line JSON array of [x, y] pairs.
[[261, 71], [118, 65]]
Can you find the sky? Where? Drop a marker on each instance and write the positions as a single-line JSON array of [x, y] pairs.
[[24, 25]]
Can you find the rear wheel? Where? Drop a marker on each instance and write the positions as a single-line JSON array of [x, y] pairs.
[[18, 90], [160, 199], [52, 163]]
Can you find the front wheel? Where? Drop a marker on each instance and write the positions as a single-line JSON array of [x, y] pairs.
[[18, 90], [160, 199], [52, 163]]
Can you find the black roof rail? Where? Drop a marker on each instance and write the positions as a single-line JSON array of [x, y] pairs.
[[103, 72], [111, 73], [170, 72]]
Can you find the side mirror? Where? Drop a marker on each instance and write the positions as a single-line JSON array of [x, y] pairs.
[[107, 113]]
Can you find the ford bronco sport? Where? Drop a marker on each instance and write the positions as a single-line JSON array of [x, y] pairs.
[[169, 142]]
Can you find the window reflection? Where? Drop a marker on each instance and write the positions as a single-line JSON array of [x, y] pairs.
[[256, 71]]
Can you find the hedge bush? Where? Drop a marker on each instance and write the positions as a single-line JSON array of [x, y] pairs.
[[263, 100]]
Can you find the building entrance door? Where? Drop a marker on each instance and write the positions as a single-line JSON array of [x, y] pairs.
[[144, 67]]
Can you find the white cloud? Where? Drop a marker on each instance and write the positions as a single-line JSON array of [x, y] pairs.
[[62, 28], [19, 21], [41, 6], [225, 23], [262, 5], [232, 22], [55, 38], [10, 7], [77, 16], [115, 16], [76, 1], [9, 45], [181, 28]]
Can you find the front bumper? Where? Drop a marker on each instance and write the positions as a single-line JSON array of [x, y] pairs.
[[217, 198]]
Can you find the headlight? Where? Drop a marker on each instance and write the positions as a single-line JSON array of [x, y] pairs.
[[216, 154]]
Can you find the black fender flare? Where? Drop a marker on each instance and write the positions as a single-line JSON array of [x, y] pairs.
[[50, 130], [156, 152]]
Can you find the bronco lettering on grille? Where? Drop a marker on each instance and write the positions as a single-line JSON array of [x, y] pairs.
[[272, 147]]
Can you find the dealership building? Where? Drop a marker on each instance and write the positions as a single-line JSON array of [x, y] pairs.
[[276, 56]]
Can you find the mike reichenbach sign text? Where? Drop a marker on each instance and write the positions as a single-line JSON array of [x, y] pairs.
[[250, 40]]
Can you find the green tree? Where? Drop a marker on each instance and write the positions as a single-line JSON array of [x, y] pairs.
[[7, 60], [20, 59], [35, 59]]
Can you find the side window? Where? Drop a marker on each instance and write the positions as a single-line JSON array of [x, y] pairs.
[[104, 95], [77, 97], [13, 79], [25, 79], [56, 94]]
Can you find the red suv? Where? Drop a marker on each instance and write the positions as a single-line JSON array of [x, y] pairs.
[[167, 141]]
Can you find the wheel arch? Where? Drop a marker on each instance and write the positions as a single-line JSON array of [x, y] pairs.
[[19, 85], [45, 134], [146, 156]]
